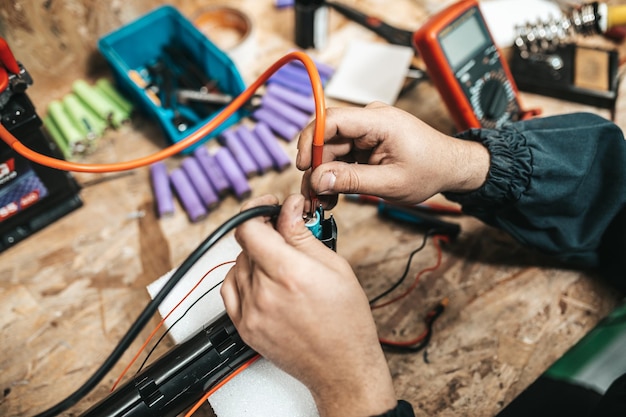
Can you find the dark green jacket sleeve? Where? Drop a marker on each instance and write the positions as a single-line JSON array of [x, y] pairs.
[[557, 184]]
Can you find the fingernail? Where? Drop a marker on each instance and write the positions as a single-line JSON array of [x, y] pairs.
[[327, 183]]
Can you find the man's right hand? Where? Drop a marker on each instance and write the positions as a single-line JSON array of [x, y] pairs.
[[384, 151]]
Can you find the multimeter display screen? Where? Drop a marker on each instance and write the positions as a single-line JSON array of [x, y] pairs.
[[463, 40]]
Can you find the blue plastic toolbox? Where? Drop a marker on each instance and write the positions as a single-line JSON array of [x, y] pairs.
[[164, 44]]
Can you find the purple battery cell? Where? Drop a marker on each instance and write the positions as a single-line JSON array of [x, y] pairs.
[[212, 170], [270, 143], [230, 139], [187, 195], [255, 148], [200, 182], [325, 70], [291, 83], [283, 3], [235, 175], [306, 103], [278, 125], [294, 72], [294, 116], [161, 189]]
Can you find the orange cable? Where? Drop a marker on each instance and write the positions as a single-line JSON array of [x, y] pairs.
[[220, 385], [117, 381], [318, 138]]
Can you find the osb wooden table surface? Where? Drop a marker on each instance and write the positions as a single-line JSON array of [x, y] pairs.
[[70, 292]]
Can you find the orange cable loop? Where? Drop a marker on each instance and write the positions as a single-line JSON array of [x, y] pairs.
[[318, 138]]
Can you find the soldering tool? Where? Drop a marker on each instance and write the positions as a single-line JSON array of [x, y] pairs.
[[593, 18]]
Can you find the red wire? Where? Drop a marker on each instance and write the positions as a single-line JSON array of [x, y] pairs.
[[436, 240], [428, 320], [141, 349]]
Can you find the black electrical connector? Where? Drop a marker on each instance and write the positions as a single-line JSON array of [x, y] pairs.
[[179, 378]]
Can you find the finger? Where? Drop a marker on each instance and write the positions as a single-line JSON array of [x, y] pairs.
[[350, 122], [340, 177], [290, 224], [230, 296], [243, 275], [326, 201]]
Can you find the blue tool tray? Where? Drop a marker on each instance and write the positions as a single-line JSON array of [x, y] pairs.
[[139, 45]]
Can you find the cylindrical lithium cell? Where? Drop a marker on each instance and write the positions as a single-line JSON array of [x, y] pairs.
[[325, 71], [94, 100], [212, 170], [293, 116], [111, 92], [270, 143], [255, 148], [291, 83], [187, 195], [298, 74], [200, 182], [161, 189], [91, 125], [73, 136], [306, 103], [230, 139], [235, 175], [57, 137], [279, 126]]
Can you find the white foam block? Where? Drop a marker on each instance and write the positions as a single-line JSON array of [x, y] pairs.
[[261, 390], [211, 306], [370, 71]]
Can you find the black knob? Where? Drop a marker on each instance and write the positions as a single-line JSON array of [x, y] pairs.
[[493, 99]]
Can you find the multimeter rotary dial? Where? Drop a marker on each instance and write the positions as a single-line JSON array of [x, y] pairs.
[[493, 100]]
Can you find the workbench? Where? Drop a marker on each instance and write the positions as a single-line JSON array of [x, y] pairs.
[[68, 293]]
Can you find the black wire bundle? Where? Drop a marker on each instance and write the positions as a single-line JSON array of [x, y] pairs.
[[151, 308]]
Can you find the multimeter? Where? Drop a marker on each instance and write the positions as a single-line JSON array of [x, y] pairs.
[[467, 68]]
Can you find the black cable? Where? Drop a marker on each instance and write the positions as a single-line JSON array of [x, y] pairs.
[[406, 270], [153, 305], [429, 320], [174, 324]]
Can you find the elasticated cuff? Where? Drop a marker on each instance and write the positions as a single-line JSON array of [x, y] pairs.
[[509, 173]]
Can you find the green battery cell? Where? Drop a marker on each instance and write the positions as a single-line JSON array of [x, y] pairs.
[[99, 103], [109, 90], [57, 136], [72, 134], [84, 118]]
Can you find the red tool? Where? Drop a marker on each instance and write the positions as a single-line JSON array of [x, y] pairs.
[[13, 77]]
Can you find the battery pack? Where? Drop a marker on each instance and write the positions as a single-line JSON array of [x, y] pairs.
[[32, 196]]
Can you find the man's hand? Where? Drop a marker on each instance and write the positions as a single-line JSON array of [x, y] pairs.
[[384, 151], [299, 305]]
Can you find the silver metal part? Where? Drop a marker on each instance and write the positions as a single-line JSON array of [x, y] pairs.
[[543, 37]]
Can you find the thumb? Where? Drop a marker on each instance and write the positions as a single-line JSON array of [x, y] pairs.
[[290, 224], [341, 177]]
